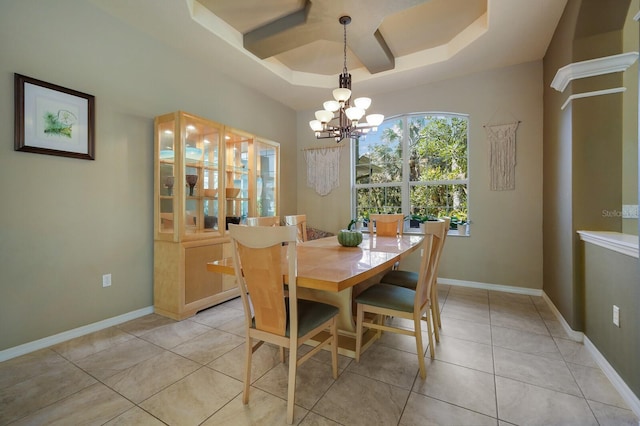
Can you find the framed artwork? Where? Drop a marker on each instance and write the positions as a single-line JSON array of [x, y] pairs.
[[53, 120]]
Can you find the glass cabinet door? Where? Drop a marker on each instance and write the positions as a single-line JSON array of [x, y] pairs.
[[166, 178], [188, 175], [267, 172], [201, 160], [239, 173]]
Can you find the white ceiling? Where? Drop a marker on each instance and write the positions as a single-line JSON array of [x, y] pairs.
[[392, 44]]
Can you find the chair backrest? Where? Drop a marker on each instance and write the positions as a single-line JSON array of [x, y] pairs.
[[431, 249], [263, 221], [299, 220], [429, 229], [258, 255], [386, 225]]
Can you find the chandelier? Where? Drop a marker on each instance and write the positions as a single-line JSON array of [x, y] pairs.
[[339, 119]]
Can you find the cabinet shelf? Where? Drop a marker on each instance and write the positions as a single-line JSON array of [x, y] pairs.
[[190, 230]]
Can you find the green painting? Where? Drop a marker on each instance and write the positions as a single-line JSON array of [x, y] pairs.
[[60, 124]]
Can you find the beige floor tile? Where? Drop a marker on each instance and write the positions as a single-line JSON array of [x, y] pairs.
[[135, 417], [313, 419], [208, 346], [232, 363], [235, 326], [81, 347], [358, 400], [39, 391], [466, 330], [575, 352], [608, 415], [517, 308], [465, 353], [475, 312], [519, 322], [146, 378], [193, 399], [95, 404], [171, 335], [324, 356], [556, 329], [118, 357], [524, 341], [595, 386], [190, 372], [524, 404], [217, 316], [403, 342], [461, 386], [262, 409], [145, 324], [388, 365], [536, 370], [312, 381], [422, 410], [469, 291], [22, 368]]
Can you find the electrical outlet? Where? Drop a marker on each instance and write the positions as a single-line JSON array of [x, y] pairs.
[[616, 316], [106, 280]]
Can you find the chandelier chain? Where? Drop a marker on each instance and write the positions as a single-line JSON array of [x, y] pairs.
[[344, 68]]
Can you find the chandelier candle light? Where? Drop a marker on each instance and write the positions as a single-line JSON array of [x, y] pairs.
[[348, 117]]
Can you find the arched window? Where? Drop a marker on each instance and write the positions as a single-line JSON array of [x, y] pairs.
[[415, 164]]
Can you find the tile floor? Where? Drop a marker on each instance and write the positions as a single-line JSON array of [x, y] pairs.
[[503, 359]]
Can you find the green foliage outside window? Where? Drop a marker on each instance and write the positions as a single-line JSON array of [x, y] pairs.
[[435, 163]]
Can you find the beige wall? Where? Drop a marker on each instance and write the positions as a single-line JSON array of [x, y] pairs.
[[630, 43], [65, 222], [505, 246], [583, 146]]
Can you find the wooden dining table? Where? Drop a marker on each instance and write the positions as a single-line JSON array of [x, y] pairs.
[[331, 273]]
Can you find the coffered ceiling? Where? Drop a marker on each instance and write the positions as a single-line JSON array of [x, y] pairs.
[[292, 50]]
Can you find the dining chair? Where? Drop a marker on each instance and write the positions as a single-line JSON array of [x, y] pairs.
[[271, 314], [386, 225], [299, 220], [263, 221], [388, 300], [409, 279]]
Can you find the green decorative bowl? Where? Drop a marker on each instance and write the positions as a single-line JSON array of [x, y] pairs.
[[348, 238]]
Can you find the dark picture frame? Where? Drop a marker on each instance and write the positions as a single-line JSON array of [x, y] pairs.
[[53, 120]]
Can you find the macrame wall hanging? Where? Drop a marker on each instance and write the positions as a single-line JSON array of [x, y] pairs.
[[502, 156], [323, 168]]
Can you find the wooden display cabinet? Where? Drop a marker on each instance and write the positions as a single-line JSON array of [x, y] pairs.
[[205, 175], [188, 215]]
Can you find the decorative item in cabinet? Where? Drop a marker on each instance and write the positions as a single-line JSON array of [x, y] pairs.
[[188, 213], [239, 194], [187, 185]]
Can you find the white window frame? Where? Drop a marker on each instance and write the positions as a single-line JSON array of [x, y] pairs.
[[405, 184]]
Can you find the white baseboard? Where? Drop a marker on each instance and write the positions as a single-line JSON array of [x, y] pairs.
[[625, 392], [577, 336], [71, 334], [494, 287]]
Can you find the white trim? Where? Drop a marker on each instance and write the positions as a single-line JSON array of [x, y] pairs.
[[627, 394], [590, 94], [576, 336], [494, 287], [592, 67], [71, 334], [615, 241], [637, 17]]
